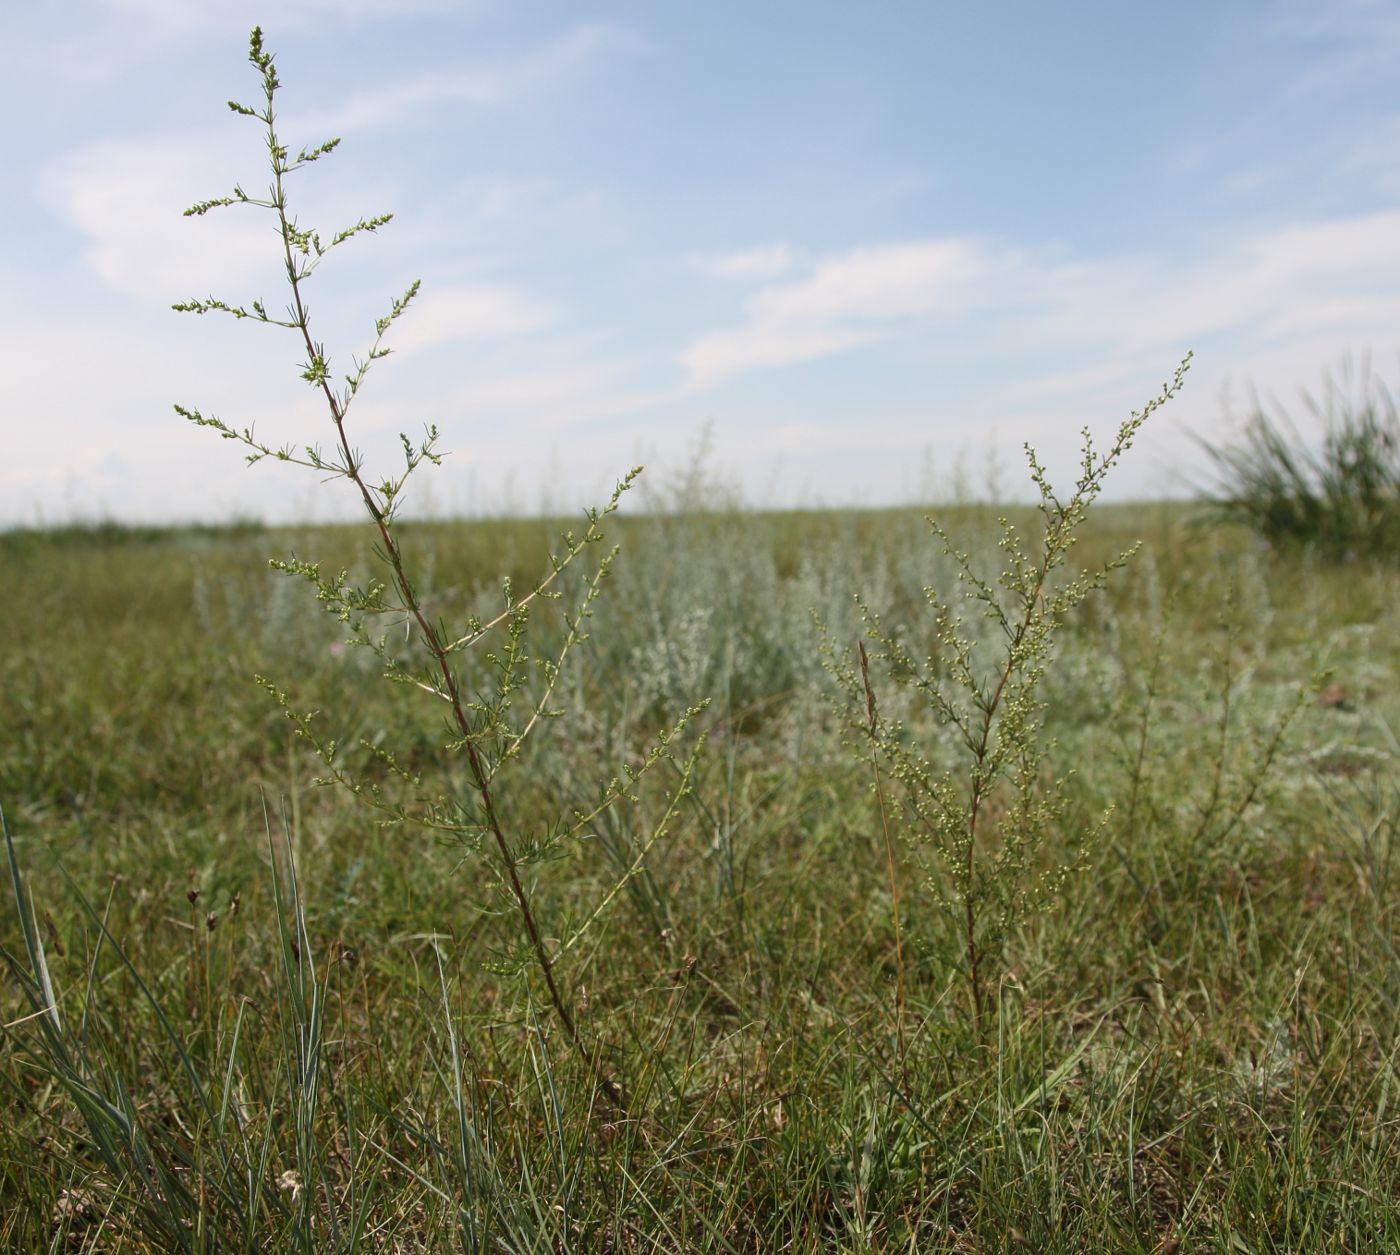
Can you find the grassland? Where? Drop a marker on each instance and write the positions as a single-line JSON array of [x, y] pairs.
[[1193, 1047]]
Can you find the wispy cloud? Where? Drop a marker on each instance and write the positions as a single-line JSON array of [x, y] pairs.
[[1325, 278], [219, 15], [105, 39], [1352, 26], [467, 312], [1330, 117], [551, 399], [750, 264], [1285, 284], [501, 82]]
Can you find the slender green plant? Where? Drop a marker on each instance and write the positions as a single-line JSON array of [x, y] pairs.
[[493, 709], [985, 820]]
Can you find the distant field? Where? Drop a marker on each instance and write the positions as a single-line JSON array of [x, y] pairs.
[[1193, 1046]]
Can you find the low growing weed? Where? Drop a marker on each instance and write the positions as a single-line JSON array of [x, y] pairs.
[[984, 692]]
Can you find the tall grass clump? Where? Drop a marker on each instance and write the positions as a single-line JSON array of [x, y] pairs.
[[1337, 491], [190, 1164], [977, 803]]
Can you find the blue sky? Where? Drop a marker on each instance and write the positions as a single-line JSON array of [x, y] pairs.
[[859, 250]]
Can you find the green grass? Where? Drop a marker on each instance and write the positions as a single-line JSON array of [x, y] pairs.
[[1194, 1049]]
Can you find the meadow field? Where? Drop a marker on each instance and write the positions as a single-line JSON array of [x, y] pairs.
[[247, 1011]]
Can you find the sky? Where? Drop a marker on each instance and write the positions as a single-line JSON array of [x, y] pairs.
[[836, 254]]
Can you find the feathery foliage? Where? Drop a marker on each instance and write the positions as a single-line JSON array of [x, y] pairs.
[[987, 694]]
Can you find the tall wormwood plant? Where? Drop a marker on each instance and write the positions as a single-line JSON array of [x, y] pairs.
[[491, 708], [981, 824]]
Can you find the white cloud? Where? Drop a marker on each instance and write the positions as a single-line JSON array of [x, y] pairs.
[[466, 312], [127, 197], [90, 430], [847, 300]]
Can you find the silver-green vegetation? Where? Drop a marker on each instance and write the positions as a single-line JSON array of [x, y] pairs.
[[246, 1011]]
